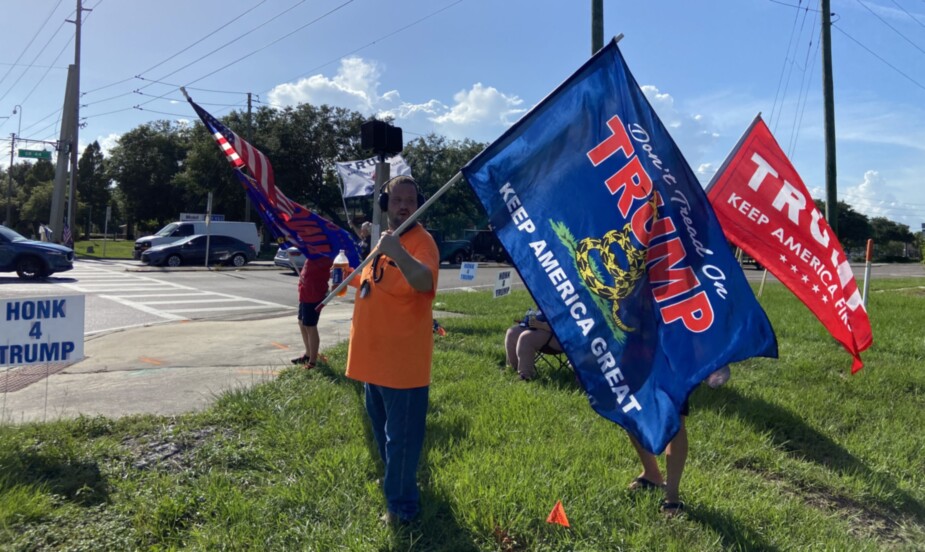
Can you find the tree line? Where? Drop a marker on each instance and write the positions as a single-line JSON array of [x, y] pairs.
[[161, 168]]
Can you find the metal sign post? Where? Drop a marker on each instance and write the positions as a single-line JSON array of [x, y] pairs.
[[208, 226], [106, 228]]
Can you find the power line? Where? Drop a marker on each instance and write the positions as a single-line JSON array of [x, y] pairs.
[[914, 18], [204, 37], [800, 7], [60, 53], [871, 52], [235, 92], [783, 69], [894, 29], [804, 92], [21, 75], [183, 100], [223, 46], [47, 19], [383, 37], [287, 35]]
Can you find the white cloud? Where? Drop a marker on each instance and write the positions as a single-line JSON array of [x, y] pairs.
[[705, 171], [354, 86], [108, 142], [874, 197], [482, 104], [481, 112], [694, 133]]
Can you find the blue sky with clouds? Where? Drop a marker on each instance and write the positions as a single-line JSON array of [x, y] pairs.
[[470, 68]]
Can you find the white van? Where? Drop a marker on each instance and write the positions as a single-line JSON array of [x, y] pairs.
[[244, 231]]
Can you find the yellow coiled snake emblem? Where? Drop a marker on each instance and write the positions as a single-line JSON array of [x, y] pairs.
[[624, 280]]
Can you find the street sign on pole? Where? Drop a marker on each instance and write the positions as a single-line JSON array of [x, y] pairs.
[[35, 154]]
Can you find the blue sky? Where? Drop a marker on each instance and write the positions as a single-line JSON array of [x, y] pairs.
[[470, 68]]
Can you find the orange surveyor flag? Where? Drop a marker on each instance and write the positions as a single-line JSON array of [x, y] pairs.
[[557, 515]]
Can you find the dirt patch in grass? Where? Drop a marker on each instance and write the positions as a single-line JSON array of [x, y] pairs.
[[508, 542], [887, 528], [170, 449]]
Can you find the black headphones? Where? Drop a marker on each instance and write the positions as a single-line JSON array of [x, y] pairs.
[[384, 194]]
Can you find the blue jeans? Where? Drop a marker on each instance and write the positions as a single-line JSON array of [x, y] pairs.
[[397, 417]]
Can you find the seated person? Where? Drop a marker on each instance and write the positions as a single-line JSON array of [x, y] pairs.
[[524, 340]]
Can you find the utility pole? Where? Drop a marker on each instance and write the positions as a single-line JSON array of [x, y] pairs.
[[597, 25], [9, 189], [56, 217], [71, 207], [250, 138], [831, 187]]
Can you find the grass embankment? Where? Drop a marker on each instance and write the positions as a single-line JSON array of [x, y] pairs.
[[792, 454], [114, 249], [122, 249]]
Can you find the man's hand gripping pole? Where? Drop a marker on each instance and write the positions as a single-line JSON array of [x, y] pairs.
[[408, 222]]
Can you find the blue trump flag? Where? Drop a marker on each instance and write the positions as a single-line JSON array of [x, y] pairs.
[[615, 239]]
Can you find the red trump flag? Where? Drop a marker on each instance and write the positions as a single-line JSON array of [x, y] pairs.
[[764, 208]]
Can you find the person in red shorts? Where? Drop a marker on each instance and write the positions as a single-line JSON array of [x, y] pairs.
[[313, 287], [392, 342]]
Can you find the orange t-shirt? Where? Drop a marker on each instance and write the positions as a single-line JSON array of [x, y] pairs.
[[391, 337]]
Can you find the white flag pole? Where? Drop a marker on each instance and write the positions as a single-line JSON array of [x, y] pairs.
[[867, 257], [343, 190], [408, 222]]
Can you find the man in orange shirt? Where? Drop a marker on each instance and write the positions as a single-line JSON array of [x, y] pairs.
[[391, 344]]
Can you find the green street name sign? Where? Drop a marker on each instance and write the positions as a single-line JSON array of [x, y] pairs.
[[35, 154]]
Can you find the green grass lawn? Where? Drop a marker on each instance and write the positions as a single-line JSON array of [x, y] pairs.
[[114, 249], [122, 249], [792, 454]]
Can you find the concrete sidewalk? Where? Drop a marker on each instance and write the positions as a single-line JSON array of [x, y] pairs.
[[166, 368]]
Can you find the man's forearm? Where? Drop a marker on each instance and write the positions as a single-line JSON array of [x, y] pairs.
[[415, 272]]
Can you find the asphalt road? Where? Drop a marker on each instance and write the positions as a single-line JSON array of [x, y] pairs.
[[125, 294]]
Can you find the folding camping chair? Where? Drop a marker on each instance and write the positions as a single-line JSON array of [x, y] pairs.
[[552, 358]]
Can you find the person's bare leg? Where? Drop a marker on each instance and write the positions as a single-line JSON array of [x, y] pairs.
[[650, 471], [303, 329], [528, 344], [313, 342], [510, 345], [675, 459]]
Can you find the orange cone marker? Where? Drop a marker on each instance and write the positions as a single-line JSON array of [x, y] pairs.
[[557, 515]]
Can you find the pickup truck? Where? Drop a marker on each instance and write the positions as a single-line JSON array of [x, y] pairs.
[[451, 251], [485, 246]]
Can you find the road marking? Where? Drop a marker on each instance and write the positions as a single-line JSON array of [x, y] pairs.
[[137, 291]]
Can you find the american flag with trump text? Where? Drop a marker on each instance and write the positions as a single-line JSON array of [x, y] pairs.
[[288, 221]]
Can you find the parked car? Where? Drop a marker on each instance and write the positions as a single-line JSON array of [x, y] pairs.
[[289, 257], [485, 246], [30, 259], [175, 231], [451, 251], [192, 250]]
